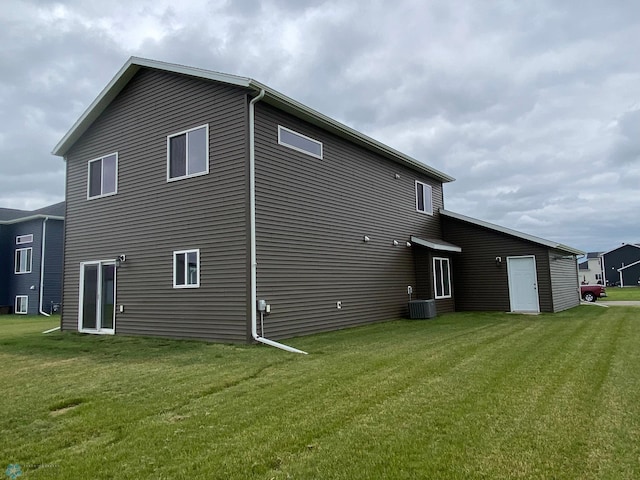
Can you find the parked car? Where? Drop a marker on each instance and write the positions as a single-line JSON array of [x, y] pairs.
[[590, 293]]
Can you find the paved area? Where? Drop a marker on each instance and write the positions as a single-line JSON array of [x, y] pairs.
[[621, 303]]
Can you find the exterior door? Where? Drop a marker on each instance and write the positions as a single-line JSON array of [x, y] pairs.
[[97, 297], [523, 284]]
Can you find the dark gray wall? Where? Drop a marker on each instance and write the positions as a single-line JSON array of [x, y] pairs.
[[631, 276], [149, 218], [425, 289], [480, 284], [564, 281], [312, 216], [625, 255], [21, 284], [6, 263], [53, 264]]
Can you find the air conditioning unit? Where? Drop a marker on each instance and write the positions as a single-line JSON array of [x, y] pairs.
[[419, 309]]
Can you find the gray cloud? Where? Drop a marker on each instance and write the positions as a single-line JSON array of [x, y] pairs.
[[532, 106]]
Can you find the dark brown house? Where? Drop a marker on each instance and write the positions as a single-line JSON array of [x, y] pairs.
[[205, 205]]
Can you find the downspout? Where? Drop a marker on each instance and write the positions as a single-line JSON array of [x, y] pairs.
[[252, 233], [44, 236]]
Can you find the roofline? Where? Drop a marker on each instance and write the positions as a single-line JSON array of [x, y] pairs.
[[32, 217], [514, 233], [444, 247], [273, 97], [630, 265], [623, 245]]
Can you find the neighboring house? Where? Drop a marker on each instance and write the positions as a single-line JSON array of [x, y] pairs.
[[31, 247], [620, 265], [192, 195], [590, 271]]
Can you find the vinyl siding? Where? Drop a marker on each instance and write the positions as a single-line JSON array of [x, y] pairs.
[[311, 217], [53, 264], [618, 258], [20, 284], [631, 276], [564, 281], [6, 264], [149, 218], [480, 284]]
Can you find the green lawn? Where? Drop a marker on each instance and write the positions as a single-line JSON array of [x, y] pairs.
[[626, 293], [464, 396]]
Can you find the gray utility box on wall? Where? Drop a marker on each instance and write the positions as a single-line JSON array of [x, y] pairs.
[[422, 309]]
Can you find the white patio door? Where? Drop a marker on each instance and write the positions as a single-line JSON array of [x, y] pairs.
[[97, 297], [523, 284]]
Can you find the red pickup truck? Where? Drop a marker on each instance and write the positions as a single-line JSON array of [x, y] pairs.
[[590, 293]]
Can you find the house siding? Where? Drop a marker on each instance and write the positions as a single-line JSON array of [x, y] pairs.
[[618, 258], [149, 218], [20, 284], [53, 264], [6, 264], [564, 281], [311, 217], [631, 276], [480, 284]]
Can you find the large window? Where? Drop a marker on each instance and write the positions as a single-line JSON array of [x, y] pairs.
[[299, 142], [23, 260], [186, 269], [441, 277], [103, 176], [22, 305], [424, 201], [188, 153]]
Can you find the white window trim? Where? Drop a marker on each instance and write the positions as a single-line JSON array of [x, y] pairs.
[[185, 132], [425, 187], [301, 150], [26, 304], [175, 263], [435, 280], [24, 239], [17, 265], [89, 197]]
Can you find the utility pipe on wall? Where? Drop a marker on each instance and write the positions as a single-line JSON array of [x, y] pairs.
[[252, 233], [44, 236]]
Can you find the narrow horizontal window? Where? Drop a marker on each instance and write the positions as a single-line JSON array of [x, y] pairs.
[[299, 142], [23, 260], [441, 278], [188, 153], [22, 305], [103, 176], [186, 269], [424, 201], [22, 239]]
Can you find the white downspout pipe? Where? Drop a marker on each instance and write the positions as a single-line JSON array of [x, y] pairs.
[[252, 233], [44, 236]]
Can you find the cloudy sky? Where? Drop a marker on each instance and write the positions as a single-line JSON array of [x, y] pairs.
[[534, 107]]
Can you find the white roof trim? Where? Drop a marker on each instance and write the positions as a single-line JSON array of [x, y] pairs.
[[32, 217], [630, 265], [514, 233], [620, 246], [436, 244], [131, 67]]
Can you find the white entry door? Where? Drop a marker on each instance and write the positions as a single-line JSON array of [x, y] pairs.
[[523, 284]]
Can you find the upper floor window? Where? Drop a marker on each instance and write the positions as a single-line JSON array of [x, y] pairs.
[[23, 260], [441, 277], [424, 202], [188, 153], [186, 269], [103, 176], [299, 142], [22, 239]]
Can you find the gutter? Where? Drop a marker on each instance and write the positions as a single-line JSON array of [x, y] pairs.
[[252, 233], [44, 237]]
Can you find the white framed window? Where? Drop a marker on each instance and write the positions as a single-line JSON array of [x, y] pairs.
[[22, 239], [188, 153], [102, 176], [23, 260], [186, 268], [21, 306], [299, 142], [441, 277], [424, 199]]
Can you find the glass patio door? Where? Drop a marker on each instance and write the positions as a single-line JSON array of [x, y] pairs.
[[97, 297]]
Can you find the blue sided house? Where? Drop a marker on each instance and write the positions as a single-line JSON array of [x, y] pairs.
[[31, 248]]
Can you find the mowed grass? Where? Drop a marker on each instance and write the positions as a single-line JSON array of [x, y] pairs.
[[624, 293], [464, 396]]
